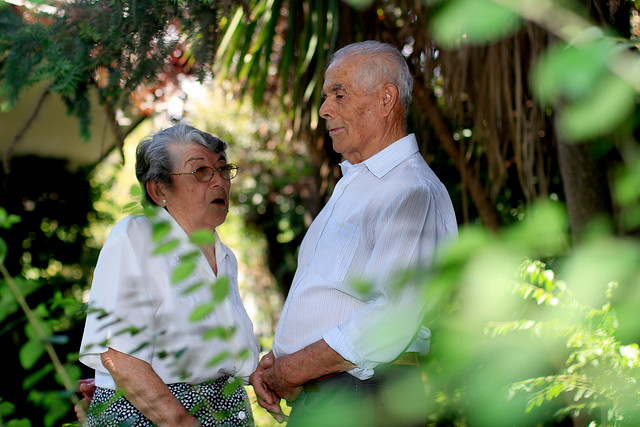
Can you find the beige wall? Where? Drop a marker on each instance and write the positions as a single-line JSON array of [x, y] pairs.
[[54, 133]]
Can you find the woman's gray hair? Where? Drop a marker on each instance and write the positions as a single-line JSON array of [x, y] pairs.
[[388, 66], [154, 158]]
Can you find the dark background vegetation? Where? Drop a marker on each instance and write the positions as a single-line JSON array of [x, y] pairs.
[[484, 122]]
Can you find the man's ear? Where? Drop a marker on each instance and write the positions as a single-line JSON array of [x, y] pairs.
[[390, 98], [157, 191]]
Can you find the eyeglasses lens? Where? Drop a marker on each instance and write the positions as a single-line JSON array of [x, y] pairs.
[[204, 174]]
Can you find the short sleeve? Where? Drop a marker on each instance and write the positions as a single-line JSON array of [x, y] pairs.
[[120, 313]]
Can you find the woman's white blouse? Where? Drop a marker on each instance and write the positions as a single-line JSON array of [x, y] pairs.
[[136, 309]]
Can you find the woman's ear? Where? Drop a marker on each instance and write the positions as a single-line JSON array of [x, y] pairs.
[[157, 191]]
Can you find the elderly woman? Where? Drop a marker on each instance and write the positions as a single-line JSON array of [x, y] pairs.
[[139, 337]]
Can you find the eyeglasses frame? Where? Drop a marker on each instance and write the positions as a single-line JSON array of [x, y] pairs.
[[230, 166]]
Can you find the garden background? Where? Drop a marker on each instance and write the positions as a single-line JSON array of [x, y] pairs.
[[526, 109]]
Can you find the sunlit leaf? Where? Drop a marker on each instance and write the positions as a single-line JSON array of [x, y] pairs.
[[473, 22]]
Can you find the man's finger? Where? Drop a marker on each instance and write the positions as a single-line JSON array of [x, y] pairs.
[[279, 417], [273, 408]]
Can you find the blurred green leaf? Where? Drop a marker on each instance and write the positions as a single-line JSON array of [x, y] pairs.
[[3, 250], [203, 237], [34, 378], [6, 220], [218, 358], [219, 333], [543, 232], [160, 230], [6, 408], [192, 288], [359, 4], [473, 22], [610, 102], [202, 311], [182, 270], [567, 71], [220, 289], [166, 247], [30, 352]]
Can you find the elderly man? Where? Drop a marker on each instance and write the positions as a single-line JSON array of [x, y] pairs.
[[345, 354]]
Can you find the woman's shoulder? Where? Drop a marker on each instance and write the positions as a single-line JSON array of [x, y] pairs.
[[132, 227]]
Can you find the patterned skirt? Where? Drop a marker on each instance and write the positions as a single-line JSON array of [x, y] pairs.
[[211, 403]]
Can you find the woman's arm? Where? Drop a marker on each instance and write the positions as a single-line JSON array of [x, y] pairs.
[[145, 390]]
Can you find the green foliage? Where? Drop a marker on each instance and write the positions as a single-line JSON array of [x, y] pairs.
[[114, 46], [474, 22], [587, 75], [515, 342], [246, 50]]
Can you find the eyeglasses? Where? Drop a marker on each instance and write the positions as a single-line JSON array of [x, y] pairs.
[[206, 173]]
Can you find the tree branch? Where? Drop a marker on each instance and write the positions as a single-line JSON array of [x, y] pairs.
[[6, 158]]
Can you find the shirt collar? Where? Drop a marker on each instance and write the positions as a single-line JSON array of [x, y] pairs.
[[382, 162]]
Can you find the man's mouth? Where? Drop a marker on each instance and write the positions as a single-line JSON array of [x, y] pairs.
[[218, 202]]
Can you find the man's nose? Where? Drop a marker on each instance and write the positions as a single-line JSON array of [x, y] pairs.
[[326, 112]]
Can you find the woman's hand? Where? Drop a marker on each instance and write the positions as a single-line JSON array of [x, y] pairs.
[[87, 388], [145, 390]]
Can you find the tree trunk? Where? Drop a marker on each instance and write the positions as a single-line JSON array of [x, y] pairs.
[[586, 185]]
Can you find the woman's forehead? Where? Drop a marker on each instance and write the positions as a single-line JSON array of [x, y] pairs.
[[195, 152]]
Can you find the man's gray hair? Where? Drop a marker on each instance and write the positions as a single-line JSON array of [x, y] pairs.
[[387, 66], [154, 158]]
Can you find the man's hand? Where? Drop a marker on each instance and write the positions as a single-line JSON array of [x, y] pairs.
[[287, 374], [266, 397], [87, 388], [277, 378]]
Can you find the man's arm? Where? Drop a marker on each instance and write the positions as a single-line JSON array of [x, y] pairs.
[[288, 373], [146, 390]]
